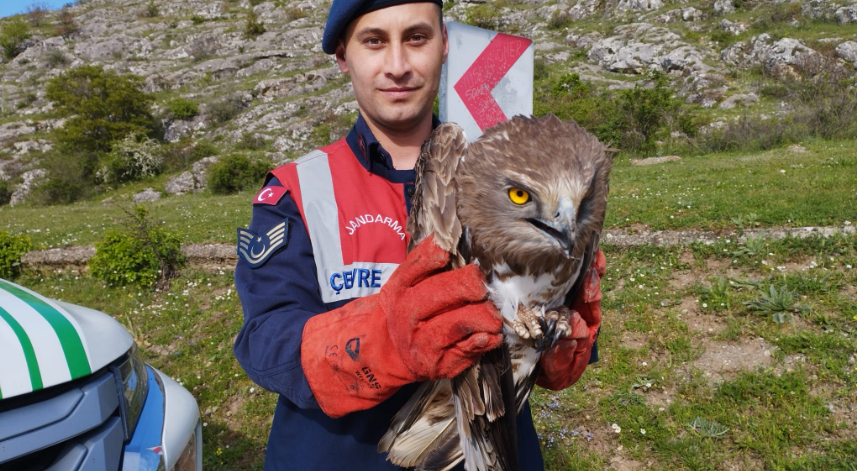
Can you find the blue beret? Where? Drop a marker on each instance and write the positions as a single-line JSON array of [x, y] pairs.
[[343, 12]]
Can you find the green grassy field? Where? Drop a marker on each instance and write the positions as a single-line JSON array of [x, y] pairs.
[[781, 188], [696, 372], [691, 377]]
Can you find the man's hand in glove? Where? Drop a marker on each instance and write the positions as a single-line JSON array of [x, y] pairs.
[[425, 323], [563, 365]]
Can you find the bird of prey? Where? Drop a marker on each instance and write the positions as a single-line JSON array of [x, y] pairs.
[[526, 203]]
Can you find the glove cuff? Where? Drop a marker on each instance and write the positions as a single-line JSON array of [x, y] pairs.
[[349, 360]]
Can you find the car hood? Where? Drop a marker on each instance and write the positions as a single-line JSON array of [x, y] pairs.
[[44, 342]]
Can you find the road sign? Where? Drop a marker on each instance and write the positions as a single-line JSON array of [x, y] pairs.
[[487, 78]]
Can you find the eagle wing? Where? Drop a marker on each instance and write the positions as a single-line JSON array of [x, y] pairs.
[[433, 206], [428, 431]]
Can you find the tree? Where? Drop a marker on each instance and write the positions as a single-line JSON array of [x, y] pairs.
[[66, 25], [36, 13], [12, 36], [103, 107]]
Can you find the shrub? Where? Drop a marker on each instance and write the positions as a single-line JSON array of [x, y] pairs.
[[132, 158], [559, 19], [143, 255], [36, 13], [483, 16], [253, 27], [226, 108], [197, 20], [56, 58], [69, 177], [181, 155], [66, 26], [5, 192], [182, 108], [294, 12], [250, 141], [12, 248], [12, 36], [102, 107], [151, 10], [235, 173], [203, 47]]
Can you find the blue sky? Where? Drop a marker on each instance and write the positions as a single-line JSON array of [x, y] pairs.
[[11, 7]]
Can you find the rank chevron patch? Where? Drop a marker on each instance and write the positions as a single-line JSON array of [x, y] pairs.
[[255, 249]]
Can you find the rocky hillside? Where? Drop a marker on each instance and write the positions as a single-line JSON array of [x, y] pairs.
[[279, 90]]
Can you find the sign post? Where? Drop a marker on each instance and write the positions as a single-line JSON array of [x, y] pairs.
[[487, 78]]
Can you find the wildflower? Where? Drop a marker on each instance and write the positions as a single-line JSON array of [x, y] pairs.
[[643, 431], [616, 428]]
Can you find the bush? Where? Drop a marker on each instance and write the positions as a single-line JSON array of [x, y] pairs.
[[483, 16], [203, 47], [151, 10], [250, 141], [56, 58], [12, 248], [181, 155], [294, 12], [235, 173], [131, 159], [559, 19], [143, 255], [66, 26], [253, 27], [36, 14], [225, 109], [5, 192], [102, 107], [182, 108], [69, 177], [12, 36]]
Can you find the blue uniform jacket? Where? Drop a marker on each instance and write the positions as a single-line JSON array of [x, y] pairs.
[[278, 297]]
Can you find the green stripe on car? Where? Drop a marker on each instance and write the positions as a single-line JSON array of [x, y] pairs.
[[27, 346], [75, 355]]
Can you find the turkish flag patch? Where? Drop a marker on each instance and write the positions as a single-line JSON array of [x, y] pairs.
[[270, 195]]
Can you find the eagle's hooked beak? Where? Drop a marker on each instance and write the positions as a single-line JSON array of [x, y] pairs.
[[560, 229]]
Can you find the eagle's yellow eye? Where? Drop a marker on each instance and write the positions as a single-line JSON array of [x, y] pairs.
[[518, 196]]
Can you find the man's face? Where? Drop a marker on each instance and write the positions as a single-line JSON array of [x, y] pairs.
[[394, 57]]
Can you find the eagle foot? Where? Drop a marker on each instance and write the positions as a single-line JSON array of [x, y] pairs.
[[544, 329]]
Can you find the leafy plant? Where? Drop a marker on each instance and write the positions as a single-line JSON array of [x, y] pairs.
[[253, 27], [102, 106], [5, 192], [717, 296], [56, 58], [12, 35], [780, 303], [236, 172], [12, 248], [144, 254], [559, 19], [182, 108], [753, 246], [484, 16], [132, 158], [707, 428], [250, 141], [151, 10], [69, 177], [225, 109]]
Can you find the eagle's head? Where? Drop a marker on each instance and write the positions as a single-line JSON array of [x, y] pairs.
[[533, 192]]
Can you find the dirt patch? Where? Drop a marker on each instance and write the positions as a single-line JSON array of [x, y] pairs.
[[721, 361], [634, 340], [620, 463]]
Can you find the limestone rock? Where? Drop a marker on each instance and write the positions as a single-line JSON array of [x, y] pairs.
[[740, 98], [847, 51], [846, 15], [733, 28], [200, 171], [724, 7], [180, 184], [655, 160], [31, 180], [639, 5], [149, 194]]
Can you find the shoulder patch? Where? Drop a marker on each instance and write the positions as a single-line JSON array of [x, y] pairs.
[[270, 195], [255, 249]]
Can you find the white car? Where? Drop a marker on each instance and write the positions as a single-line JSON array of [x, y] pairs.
[[76, 394]]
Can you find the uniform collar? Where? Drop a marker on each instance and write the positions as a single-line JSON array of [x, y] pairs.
[[373, 156]]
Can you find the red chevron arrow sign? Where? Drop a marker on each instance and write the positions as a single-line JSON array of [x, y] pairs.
[[487, 78], [476, 85]]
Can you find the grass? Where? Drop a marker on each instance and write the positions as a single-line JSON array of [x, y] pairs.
[[710, 192], [792, 410]]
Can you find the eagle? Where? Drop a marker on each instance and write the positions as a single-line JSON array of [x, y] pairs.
[[526, 203]]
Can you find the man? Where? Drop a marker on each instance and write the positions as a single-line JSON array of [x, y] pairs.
[[339, 320]]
